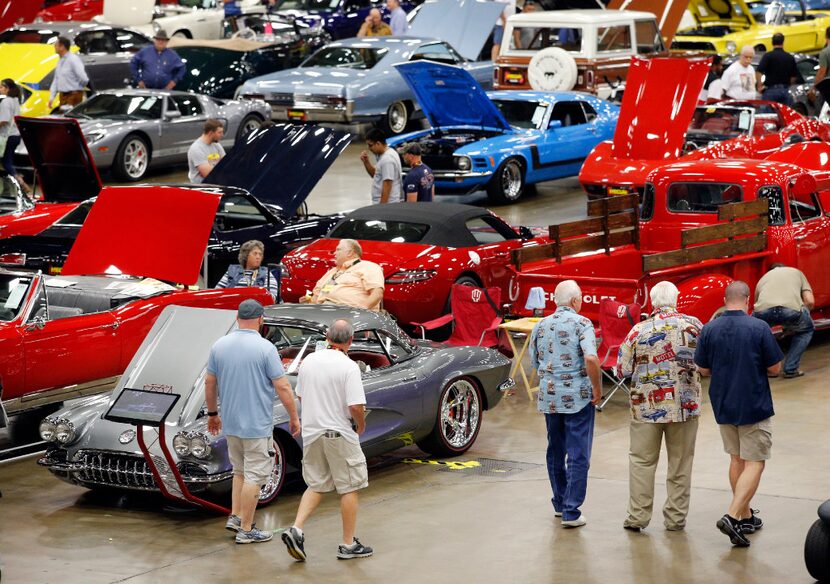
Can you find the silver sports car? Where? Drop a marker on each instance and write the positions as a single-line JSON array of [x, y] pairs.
[[417, 392], [130, 130]]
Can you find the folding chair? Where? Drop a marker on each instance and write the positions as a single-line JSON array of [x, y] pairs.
[[616, 320], [474, 314]]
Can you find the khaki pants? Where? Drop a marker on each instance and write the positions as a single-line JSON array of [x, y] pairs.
[[643, 455], [72, 98]]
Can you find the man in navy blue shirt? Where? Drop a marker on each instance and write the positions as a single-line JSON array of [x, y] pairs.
[[739, 351], [419, 184], [157, 67]]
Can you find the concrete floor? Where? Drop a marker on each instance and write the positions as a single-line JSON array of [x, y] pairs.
[[491, 523]]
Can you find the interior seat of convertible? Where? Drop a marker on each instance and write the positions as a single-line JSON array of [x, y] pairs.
[[370, 358], [87, 295]]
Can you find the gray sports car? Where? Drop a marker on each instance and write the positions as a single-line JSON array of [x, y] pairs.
[[417, 392], [130, 130]]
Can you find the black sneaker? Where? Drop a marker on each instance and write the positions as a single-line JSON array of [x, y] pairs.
[[294, 542], [753, 523], [356, 550], [732, 528]]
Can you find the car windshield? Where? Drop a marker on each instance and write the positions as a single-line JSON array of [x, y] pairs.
[[375, 230], [535, 38], [720, 123], [118, 106], [307, 4], [40, 36], [346, 57], [12, 295], [522, 114]]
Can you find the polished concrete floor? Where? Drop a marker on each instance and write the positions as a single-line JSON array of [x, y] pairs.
[[430, 523]]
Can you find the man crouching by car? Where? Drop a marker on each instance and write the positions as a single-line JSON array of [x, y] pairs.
[[333, 401], [247, 369]]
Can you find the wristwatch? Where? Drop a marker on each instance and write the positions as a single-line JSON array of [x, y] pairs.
[[213, 414]]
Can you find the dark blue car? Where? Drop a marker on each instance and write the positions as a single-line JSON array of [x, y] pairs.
[[340, 18]]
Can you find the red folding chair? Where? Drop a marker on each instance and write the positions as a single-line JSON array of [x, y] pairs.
[[616, 320], [474, 314]]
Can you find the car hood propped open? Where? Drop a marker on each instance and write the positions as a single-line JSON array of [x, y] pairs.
[[449, 96], [61, 158], [660, 98], [281, 164], [153, 231], [464, 24]]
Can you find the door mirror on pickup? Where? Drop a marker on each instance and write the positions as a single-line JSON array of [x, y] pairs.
[[554, 124], [526, 233]]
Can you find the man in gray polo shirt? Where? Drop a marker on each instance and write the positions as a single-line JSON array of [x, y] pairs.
[[245, 370]]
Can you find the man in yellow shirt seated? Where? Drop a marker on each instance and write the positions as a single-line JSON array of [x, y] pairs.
[[352, 281]]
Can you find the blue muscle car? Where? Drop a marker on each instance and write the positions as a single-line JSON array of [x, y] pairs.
[[502, 140], [354, 80]]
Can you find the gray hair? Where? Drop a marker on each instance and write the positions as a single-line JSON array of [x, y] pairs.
[[664, 294], [341, 331], [247, 248], [354, 246], [566, 292], [736, 291]]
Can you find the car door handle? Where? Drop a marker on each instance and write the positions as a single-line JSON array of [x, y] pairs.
[[800, 237], [115, 325], [410, 378]]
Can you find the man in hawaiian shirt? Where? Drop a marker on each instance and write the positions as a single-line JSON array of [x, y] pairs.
[[658, 355], [563, 349]]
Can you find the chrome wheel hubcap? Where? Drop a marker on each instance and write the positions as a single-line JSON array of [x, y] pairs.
[[397, 117], [275, 479], [135, 159], [511, 180], [460, 411]]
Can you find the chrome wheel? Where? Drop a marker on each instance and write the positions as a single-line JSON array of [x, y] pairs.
[[271, 489], [460, 414], [134, 158], [511, 180], [397, 117], [249, 124]]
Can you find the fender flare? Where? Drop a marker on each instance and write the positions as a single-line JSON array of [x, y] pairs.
[[701, 296]]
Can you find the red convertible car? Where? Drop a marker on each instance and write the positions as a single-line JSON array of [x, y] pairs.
[[423, 250], [71, 335], [661, 122]]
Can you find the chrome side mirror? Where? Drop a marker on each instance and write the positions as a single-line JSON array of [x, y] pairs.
[[37, 323]]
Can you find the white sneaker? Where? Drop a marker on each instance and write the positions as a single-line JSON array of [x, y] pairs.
[[557, 514], [579, 522]]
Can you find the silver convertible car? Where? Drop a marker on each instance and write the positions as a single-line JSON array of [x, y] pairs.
[[130, 130], [417, 392]]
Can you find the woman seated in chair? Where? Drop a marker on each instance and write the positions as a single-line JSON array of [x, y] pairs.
[[250, 271]]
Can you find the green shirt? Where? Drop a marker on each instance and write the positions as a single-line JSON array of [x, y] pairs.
[[824, 58]]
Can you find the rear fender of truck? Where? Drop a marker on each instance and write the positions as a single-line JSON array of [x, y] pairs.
[[702, 296]]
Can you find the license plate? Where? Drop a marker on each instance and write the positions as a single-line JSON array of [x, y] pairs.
[[55, 270], [297, 115], [618, 191]]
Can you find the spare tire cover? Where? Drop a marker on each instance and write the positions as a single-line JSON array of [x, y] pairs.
[[552, 69]]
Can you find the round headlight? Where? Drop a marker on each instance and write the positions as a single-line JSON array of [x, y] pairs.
[[463, 163], [64, 431], [731, 47], [47, 430], [181, 444], [199, 446]]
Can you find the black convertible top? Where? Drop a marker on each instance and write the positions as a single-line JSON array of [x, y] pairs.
[[446, 221]]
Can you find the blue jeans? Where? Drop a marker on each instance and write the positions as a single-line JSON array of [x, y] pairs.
[[778, 93], [8, 155], [797, 323], [568, 457]]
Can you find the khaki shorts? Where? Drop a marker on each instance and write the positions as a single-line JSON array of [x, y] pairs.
[[334, 463], [750, 442], [251, 458]]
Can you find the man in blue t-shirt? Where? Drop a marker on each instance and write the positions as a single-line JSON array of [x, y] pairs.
[[245, 370], [739, 351], [419, 184]]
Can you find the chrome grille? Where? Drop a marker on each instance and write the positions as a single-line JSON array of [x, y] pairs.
[[115, 469]]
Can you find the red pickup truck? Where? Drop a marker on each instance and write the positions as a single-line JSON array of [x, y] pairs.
[[701, 225]]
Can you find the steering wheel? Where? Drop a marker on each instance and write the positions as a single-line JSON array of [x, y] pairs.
[[682, 205], [247, 34]]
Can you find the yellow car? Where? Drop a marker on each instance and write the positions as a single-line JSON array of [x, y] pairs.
[[724, 26], [32, 66]]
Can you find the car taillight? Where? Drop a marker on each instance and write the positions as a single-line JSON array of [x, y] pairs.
[[409, 276], [514, 76], [589, 78], [15, 259]]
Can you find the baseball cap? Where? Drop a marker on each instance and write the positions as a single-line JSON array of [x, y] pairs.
[[250, 309]]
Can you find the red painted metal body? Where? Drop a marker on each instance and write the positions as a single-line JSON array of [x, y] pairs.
[[79, 10], [416, 301], [33, 221], [804, 244], [657, 108]]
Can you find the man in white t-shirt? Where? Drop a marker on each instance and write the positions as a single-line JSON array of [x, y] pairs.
[[386, 174], [739, 78], [332, 399]]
